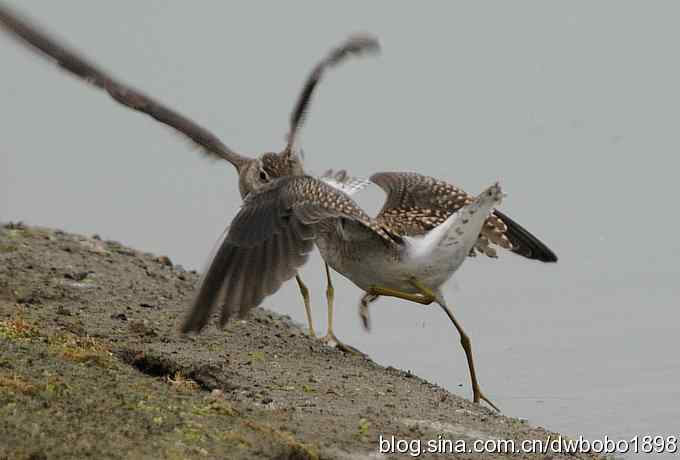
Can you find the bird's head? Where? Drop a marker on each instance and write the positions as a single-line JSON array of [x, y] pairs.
[[254, 174], [257, 173]]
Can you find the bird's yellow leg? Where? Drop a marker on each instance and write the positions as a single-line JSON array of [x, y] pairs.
[[330, 298], [330, 337], [477, 394], [308, 309], [424, 290], [374, 292], [421, 298]]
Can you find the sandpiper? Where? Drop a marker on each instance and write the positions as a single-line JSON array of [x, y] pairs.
[[422, 235], [253, 173], [415, 205]]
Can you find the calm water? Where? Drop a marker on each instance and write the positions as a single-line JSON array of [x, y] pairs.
[[574, 107]]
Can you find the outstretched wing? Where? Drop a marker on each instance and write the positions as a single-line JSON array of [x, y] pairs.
[[523, 242], [416, 204], [342, 181], [268, 240], [70, 61], [353, 46]]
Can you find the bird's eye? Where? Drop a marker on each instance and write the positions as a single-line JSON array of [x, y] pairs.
[[263, 176]]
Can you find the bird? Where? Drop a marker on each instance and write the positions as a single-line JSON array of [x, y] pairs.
[[422, 235], [416, 204], [253, 173]]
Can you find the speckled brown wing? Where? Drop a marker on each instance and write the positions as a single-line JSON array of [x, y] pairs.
[[267, 242], [354, 46], [415, 204], [77, 65]]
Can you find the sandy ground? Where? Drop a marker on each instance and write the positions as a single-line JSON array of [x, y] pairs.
[[92, 366]]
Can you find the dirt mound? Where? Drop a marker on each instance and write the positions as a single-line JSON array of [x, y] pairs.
[[92, 365]]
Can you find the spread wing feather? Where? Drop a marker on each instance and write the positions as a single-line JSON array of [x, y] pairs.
[[77, 65], [416, 204], [353, 46], [268, 241]]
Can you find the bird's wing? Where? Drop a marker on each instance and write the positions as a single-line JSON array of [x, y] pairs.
[[72, 62], [416, 204], [267, 242], [355, 45], [342, 181], [523, 242], [460, 231]]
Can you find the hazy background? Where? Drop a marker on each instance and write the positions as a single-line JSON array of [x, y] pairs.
[[573, 106]]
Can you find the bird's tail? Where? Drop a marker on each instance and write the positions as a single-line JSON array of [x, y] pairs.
[[460, 229], [524, 243]]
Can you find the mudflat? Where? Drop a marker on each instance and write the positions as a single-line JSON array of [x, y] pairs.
[[92, 366]]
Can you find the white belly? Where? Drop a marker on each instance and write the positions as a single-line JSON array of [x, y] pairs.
[[370, 267], [431, 258]]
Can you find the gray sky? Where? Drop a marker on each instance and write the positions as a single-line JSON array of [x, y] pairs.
[[573, 106]]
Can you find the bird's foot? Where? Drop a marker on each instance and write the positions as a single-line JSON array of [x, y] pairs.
[[365, 317], [478, 396], [332, 341], [366, 300]]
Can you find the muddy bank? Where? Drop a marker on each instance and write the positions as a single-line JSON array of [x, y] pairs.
[[92, 365]]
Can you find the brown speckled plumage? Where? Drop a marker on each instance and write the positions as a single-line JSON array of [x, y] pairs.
[[416, 204], [268, 240], [278, 165], [289, 215]]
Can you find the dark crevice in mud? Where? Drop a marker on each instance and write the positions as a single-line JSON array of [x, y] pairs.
[[208, 376], [261, 389]]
